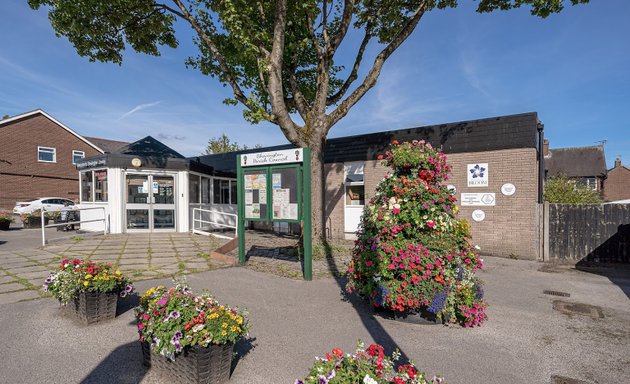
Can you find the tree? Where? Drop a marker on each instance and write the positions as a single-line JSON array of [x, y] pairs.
[[563, 190], [278, 57], [223, 144]]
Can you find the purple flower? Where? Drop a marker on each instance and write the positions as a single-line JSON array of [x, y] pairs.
[[162, 302], [298, 381], [178, 347], [123, 293], [322, 379], [178, 335], [129, 288], [174, 315]]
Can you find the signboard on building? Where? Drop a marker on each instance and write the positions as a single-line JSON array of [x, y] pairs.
[[477, 175], [273, 157], [508, 189], [478, 199]]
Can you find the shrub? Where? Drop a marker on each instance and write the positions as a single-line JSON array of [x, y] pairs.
[[6, 216], [563, 190], [368, 366], [411, 252]]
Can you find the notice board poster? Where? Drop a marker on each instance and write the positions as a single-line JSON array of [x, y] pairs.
[[285, 194], [255, 194]]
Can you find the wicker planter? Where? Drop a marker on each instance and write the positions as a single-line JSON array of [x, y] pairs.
[[196, 365], [4, 225], [94, 307]]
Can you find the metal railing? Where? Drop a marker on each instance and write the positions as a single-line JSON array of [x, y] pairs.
[[197, 212], [44, 226]]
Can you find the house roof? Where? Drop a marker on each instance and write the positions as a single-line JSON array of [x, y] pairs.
[[107, 145], [41, 112], [496, 133], [576, 162], [149, 147]]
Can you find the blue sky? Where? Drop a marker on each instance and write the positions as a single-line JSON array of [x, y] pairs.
[[572, 68]]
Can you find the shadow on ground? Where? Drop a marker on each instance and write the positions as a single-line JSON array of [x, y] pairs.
[[618, 274]]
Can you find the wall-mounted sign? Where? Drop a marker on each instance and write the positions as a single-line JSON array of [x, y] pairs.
[[136, 162], [508, 189], [452, 188], [90, 163], [273, 157], [477, 175], [478, 215], [478, 199]]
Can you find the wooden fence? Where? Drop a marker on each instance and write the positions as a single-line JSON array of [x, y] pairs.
[[587, 233]]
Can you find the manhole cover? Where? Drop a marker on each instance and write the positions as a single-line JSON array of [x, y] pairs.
[[578, 308], [556, 293], [566, 380]]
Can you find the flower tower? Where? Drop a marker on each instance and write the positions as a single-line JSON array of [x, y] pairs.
[[412, 255]]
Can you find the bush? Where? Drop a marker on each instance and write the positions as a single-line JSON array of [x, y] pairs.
[[563, 190], [411, 253]]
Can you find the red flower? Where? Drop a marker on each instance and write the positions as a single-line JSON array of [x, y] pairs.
[[368, 263], [395, 142], [380, 157], [337, 352]]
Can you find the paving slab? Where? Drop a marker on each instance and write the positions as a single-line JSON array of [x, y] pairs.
[[31, 275], [6, 279], [35, 268], [14, 297], [10, 287]]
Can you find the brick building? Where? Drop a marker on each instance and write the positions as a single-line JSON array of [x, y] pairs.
[[37, 157], [617, 184], [585, 165], [503, 210]]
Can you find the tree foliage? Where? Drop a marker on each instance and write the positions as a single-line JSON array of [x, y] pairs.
[[279, 57], [222, 144], [563, 190]]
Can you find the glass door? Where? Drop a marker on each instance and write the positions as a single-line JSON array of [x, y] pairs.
[[150, 203]]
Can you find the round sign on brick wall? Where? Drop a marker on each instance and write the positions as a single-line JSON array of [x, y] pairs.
[[508, 189], [478, 215]]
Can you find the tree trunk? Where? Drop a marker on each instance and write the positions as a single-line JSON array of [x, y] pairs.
[[318, 184]]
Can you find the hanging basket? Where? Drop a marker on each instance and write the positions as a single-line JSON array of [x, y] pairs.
[[195, 365], [94, 307]]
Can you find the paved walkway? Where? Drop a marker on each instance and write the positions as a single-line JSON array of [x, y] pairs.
[[141, 256]]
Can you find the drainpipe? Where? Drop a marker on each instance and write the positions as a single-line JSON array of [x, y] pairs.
[[541, 161]]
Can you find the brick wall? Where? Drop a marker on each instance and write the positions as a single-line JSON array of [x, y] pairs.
[[617, 184], [22, 176], [509, 229]]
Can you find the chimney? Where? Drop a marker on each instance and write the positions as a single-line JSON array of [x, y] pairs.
[[545, 147], [618, 162]]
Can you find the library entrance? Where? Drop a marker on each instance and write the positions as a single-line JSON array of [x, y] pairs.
[[150, 204]]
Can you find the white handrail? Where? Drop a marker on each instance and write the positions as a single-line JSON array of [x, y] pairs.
[[201, 221], [43, 220]]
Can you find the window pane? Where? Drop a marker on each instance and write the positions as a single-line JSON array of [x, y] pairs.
[[225, 191], [205, 190], [46, 154], [86, 186], [216, 184], [193, 189], [354, 172], [100, 185], [77, 156], [355, 195], [234, 193]]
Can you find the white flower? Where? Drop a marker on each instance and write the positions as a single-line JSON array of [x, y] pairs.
[[477, 247], [368, 380]]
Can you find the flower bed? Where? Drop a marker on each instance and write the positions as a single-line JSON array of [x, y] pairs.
[[412, 254], [88, 289], [367, 366], [177, 325]]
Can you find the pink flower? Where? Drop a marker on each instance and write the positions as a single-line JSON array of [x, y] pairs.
[[368, 263], [430, 223], [396, 211]]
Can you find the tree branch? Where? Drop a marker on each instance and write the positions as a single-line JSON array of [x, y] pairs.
[[355, 70], [346, 19], [276, 91], [298, 97], [372, 76]]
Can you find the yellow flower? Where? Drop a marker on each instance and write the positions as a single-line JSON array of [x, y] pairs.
[[213, 315], [239, 321], [223, 333], [455, 209], [224, 325], [117, 272], [88, 276], [85, 283]]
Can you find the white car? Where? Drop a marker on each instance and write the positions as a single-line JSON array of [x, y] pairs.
[[48, 203]]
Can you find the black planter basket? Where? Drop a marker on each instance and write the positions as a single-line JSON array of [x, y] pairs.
[[94, 307], [195, 365], [423, 316]]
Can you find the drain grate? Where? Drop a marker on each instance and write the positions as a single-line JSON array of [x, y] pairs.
[[555, 379], [556, 293], [579, 309]]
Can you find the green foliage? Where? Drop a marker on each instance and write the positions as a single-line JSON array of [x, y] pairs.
[[563, 190], [222, 144], [6, 216]]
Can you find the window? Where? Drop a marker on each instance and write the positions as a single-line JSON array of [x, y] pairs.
[[354, 184], [46, 154], [193, 189], [94, 186], [233, 192], [206, 190], [221, 191], [77, 156]]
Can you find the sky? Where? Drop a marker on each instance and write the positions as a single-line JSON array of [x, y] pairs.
[[572, 68]]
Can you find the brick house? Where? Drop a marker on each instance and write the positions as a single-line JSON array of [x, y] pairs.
[[503, 211], [617, 184], [37, 157], [586, 165]]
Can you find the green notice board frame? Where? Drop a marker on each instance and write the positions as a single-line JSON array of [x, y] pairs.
[[291, 195]]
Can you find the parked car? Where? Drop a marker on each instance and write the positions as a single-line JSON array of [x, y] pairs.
[[48, 203]]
